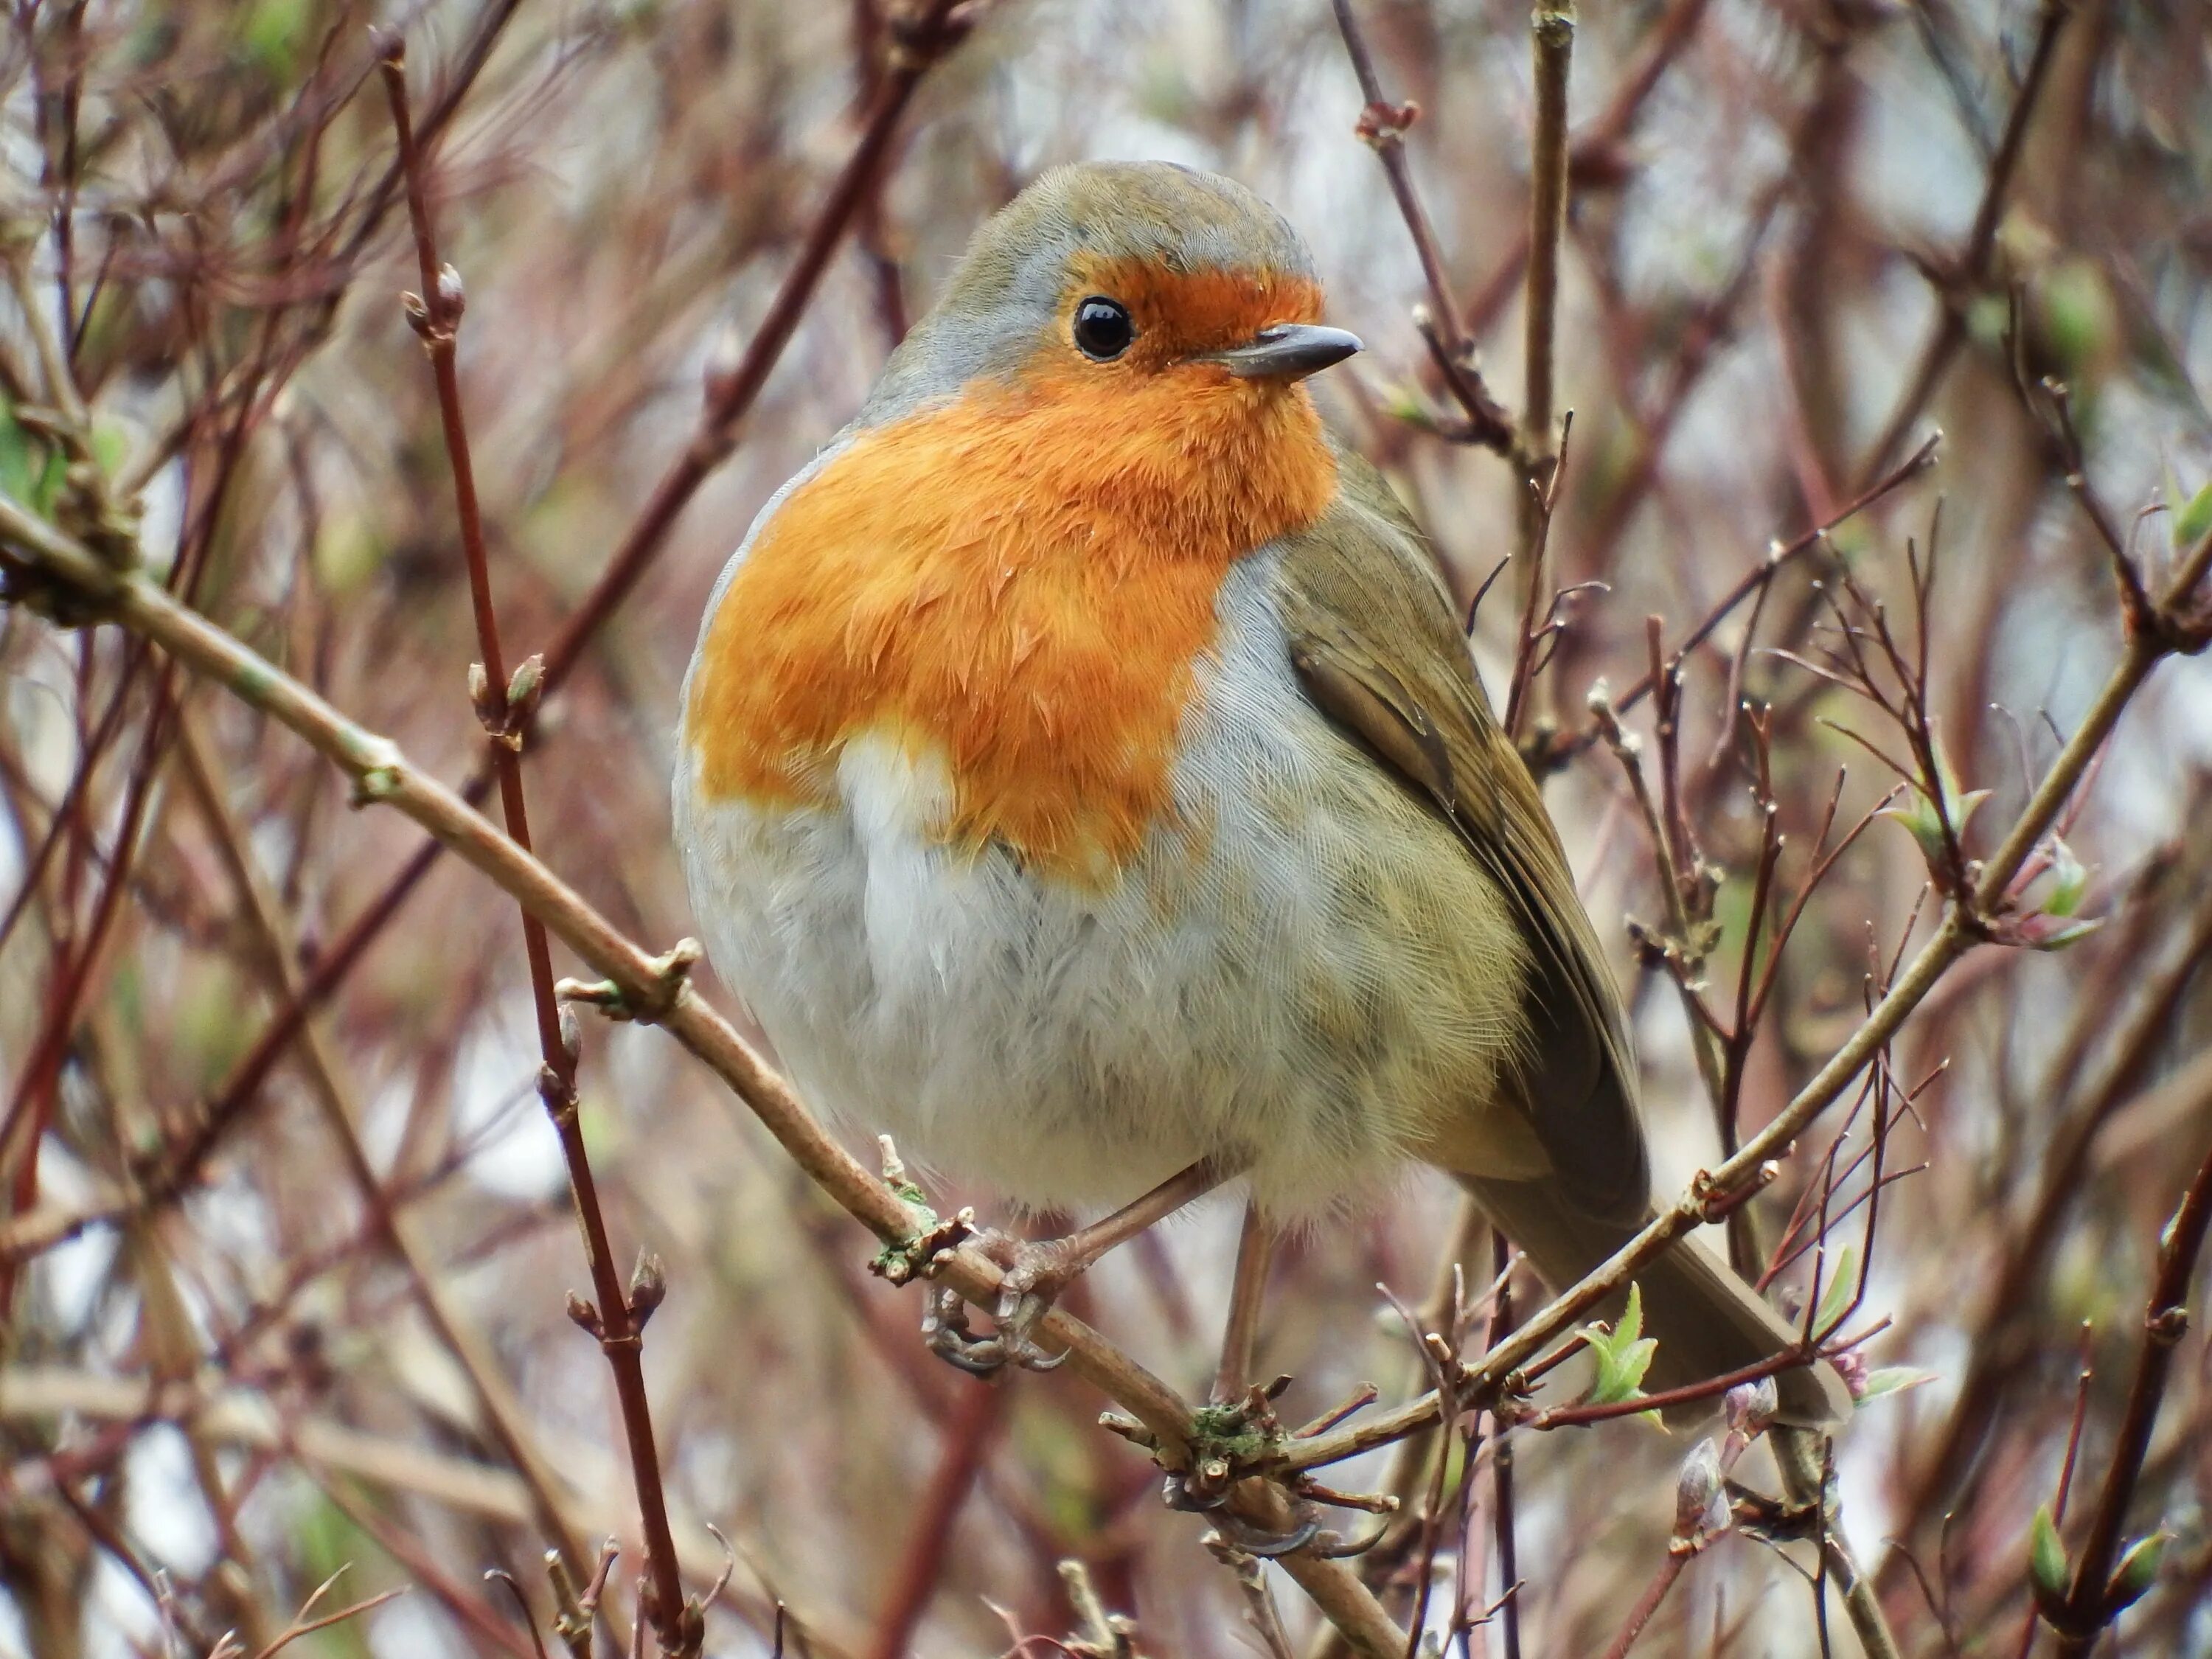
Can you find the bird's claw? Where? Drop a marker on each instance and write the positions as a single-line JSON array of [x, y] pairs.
[[1238, 1534], [946, 1330], [947, 1333], [1258, 1540]]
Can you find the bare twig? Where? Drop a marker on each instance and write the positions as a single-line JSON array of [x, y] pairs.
[[1972, 269], [1552, 30], [1383, 126], [620, 1312], [1756, 580], [2097, 1595], [936, 1512]]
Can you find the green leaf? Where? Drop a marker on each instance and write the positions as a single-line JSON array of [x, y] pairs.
[[272, 32], [2192, 520], [111, 447], [328, 1541], [1918, 811], [1403, 402], [2080, 324], [1632, 1318], [2069, 881], [1891, 1379], [2137, 1571], [31, 468], [1842, 1285], [2056, 932], [22, 457], [1988, 316], [48, 488], [1623, 1354], [2046, 1556]]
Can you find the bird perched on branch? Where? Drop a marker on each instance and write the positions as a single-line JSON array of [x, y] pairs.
[[1082, 775]]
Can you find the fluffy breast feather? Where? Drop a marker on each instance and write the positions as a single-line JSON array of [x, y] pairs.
[[1021, 584], [1296, 964]]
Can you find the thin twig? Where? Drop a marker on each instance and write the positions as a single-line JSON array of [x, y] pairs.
[[1552, 30], [1972, 270], [1501, 1465], [620, 1311], [936, 1511], [2095, 1599], [1382, 126], [1756, 579]]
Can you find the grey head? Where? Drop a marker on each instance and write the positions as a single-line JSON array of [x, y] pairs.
[[1012, 286]]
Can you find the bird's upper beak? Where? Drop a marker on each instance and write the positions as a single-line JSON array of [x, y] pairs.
[[1288, 351]]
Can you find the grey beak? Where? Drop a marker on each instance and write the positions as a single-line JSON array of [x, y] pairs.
[[1288, 351]]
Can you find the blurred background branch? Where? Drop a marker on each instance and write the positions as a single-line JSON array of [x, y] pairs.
[[284, 1241]]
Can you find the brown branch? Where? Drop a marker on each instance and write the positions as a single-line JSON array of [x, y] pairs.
[[1972, 269], [918, 42], [30, 1107], [1530, 652], [1501, 1463], [618, 1314], [936, 1511], [1553, 38], [2094, 1601], [306, 1622], [1756, 580], [1537, 449], [67, 812], [1382, 126]]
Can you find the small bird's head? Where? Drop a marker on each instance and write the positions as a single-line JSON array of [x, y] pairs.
[[1120, 283]]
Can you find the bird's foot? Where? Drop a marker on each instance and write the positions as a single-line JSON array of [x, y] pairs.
[[1036, 1272], [1193, 1492]]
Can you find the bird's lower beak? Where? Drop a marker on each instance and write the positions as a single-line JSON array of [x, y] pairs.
[[1288, 351]]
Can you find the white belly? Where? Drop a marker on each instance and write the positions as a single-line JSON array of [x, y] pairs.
[[1301, 969]]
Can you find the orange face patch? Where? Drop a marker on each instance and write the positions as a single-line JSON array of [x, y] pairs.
[[1018, 585], [1181, 314]]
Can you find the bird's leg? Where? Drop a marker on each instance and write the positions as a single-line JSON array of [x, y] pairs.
[[1256, 1254], [1037, 1271], [1248, 1407]]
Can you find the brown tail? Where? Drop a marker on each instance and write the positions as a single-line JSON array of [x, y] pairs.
[[1707, 1321]]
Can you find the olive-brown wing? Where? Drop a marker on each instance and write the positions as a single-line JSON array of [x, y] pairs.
[[1377, 648], [1375, 643]]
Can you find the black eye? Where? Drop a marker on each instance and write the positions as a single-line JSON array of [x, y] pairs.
[[1102, 329]]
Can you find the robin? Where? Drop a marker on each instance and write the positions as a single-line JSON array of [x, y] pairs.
[[1082, 775]]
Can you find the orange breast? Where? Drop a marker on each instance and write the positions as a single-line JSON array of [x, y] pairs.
[[1018, 586]]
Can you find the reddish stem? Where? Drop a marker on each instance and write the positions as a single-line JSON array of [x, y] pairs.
[[618, 1326], [967, 1442], [2089, 1607]]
